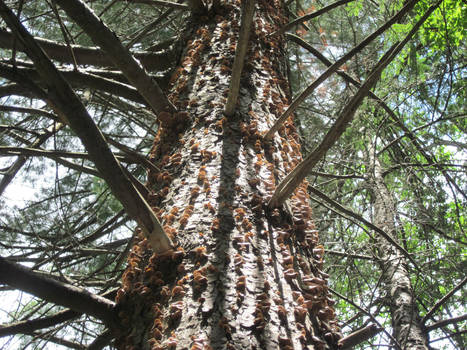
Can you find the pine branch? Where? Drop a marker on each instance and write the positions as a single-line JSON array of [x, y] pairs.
[[292, 180], [101, 341], [29, 326], [248, 11], [309, 16], [18, 164], [446, 322], [296, 176], [68, 106], [102, 36], [370, 315], [441, 302], [170, 4], [302, 97], [367, 223], [56, 292], [89, 55], [359, 336], [26, 110]]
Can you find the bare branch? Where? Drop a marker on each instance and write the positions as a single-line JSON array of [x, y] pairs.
[[248, 10], [443, 323], [296, 176], [69, 107], [358, 217], [101, 341], [18, 164], [440, 302], [118, 54], [359, 336], [89, 55], [26, 110], [29, 326], [170, 4], [302, 97], [373, 318], [310, 16], [56, 292]]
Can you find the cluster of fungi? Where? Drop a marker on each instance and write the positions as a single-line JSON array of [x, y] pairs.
[[246, 268]]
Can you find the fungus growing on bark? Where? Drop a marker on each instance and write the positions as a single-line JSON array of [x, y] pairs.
[[177, 291], [201, 253], [176, 310]]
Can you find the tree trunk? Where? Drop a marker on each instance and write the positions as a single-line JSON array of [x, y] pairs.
[[395, 276], [243, 276]]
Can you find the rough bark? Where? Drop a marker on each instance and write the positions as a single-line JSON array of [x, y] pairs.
[[244, 276], [407, 328]]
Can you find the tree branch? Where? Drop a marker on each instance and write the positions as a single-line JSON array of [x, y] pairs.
[[440, 302], [56, 292], [18, 164], [296, 176], [248, 10], [309, 16], [302, 97], [101, 341], [359, 336], [443, 323], [373, 318], [170, 4], [89, 55], [364, 221], [29, 326], [69, 107], [102, 36]]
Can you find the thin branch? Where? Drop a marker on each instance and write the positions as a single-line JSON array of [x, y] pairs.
[[440, 302], [364, 221], [349, 255], [443, 323], [135, 156], [102, 36], [65, 103], [53, 339], [359, 336], [29, 326], [373, 318], [336, 176], [101, 341], [296, 176], [302, 97], [89, 55], [248, 11], [26, 110], [56, 292], [18, 164], [8, 90], [170, 4], [142, 32], [309, 16]]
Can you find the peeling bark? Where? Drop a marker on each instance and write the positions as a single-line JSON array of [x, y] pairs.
[[243, 276]]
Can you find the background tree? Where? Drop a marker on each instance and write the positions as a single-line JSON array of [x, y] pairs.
[[246, 269]]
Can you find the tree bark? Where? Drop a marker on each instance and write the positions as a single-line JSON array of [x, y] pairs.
[[407, 328], [243, 276]]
